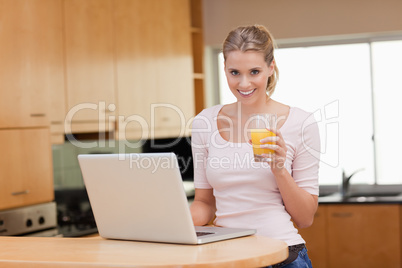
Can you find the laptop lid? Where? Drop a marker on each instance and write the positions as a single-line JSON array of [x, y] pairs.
[[141, 197]]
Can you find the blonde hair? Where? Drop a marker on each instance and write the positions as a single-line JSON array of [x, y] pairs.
[[253, 38]]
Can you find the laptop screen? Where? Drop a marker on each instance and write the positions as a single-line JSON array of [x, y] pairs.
[[179, 146]]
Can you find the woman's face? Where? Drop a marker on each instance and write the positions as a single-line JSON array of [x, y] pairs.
[[247, 75]]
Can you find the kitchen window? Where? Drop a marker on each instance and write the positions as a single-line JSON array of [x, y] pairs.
[[354, 91]]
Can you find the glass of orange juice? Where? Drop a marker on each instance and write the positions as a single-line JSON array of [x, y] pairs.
[[262, 126]]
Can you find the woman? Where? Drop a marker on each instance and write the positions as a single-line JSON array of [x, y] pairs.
[[233, 188]]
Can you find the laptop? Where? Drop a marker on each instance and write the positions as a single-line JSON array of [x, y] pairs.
[[141, 197]]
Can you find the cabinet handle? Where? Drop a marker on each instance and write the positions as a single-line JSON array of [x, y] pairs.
[[20, 193], [38, 115], [342, 214]]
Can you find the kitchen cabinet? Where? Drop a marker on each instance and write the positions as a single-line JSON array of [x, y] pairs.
[[31, 59], [89, 65], [364, 235], [316, 238], [87, 60], [355, 235], [197, 42], [26, 167], [154, 68]]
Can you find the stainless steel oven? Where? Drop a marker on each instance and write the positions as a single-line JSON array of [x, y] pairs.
[[35, 220]]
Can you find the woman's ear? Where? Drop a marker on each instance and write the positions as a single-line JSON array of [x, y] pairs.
[[271, 68]]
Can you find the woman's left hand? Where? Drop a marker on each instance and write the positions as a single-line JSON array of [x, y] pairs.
[[278, 159]]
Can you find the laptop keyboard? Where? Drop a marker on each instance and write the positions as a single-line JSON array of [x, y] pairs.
[[203, 233]]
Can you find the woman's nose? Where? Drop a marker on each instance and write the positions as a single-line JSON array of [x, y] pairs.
[[244, 82]]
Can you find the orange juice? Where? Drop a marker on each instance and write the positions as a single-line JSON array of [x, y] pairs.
[[256, 136]]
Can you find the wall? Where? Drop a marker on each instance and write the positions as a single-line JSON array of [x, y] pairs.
[[302, 18]]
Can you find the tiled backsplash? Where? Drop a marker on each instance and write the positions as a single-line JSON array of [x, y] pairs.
[[67, 173]]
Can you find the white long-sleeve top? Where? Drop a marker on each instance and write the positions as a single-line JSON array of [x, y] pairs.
[[246, 192]]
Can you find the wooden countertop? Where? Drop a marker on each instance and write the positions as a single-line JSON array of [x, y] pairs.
[[35, 252]]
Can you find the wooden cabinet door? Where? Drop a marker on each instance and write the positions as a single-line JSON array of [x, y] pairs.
[[316, 238], [154, 67], [26, 167], [364, 235], [31, 60], [89, 59]]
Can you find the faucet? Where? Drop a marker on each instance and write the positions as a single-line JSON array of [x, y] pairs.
[[346, 182]]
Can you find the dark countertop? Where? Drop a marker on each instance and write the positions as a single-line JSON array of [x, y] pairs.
[[338, 199], [362, 194]]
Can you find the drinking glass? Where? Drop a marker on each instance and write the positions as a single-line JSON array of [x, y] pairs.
[[262, 126]]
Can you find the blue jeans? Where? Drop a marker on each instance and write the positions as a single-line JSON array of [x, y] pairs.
[[302, 261]]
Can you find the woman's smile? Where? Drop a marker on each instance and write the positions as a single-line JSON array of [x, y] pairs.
[[246, 93]]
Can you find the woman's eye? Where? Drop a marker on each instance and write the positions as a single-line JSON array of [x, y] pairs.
[[234, 72], [255, 72]]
